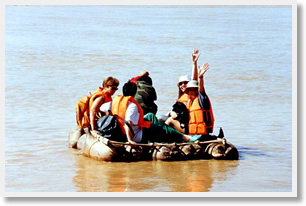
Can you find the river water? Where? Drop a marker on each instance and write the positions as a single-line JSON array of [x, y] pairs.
[[54, 55]]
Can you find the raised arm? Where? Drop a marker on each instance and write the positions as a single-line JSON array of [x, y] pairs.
[[194, 57], [202, 71]]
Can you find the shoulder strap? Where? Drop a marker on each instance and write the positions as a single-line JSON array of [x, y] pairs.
[[110, 112]]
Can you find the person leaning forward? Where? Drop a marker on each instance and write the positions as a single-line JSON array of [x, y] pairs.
[[102, 95], [146, 128]]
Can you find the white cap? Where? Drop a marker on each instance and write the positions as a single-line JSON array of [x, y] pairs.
[[184, 78], [192, 83]]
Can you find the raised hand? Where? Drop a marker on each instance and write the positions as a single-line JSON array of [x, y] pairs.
[[195, 55], [203, 69]]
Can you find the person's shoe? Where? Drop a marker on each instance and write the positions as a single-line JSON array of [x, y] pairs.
[[194, 138]]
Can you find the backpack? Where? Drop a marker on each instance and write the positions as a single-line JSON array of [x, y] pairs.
[[82, 111], [108, 127]]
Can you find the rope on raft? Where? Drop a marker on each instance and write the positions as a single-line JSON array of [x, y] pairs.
[[170, 151], [107, 141]]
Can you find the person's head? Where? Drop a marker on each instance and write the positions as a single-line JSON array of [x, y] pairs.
[[110, 85], [146, 79], [182, 113], [129, 89], [192, 89], [182, 84]]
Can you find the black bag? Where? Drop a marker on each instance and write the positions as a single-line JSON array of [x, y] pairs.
[[108, 126]]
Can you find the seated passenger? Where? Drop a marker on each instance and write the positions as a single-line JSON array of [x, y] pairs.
[[201, 118], [146, 95], [171, 117], [183, 80], [144, 131], [182, 85], [179, 118], [102, 95]]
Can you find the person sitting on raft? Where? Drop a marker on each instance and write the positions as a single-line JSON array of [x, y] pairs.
[[102, 95], [146, 128], [183, 80], [178, 118], [146, 94], [201, 118]]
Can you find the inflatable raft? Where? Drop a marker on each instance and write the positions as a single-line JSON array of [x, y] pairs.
[[100, 148]]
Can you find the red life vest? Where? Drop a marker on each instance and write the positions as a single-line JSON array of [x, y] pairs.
[[119, 107], [200, 121]]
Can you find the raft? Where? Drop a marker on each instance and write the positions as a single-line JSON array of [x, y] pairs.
[[100, 148]]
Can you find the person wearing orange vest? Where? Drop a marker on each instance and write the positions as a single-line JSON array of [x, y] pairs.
[[145, 128], [173, 118], [102, 95], [183, 80], [201, 118]]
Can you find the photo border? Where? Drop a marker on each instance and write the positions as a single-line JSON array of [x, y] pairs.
[[294, 192]]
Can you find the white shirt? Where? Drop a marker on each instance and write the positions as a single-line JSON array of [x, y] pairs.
[[132, 115], [106, 107]]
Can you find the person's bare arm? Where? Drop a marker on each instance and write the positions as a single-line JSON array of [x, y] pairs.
[[202, 71], [171, 121], [194, 57], [93, 112], [129, 133]]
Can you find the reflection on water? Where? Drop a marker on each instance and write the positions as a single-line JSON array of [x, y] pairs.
[[148, 176]]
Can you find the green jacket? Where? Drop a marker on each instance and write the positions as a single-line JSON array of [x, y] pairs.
[[145, 96]]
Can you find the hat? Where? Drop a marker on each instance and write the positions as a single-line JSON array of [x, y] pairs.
[[184, 78], [192, 83]]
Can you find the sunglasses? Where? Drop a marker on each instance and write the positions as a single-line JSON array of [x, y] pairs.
[[181, 83], [192, 89], [113, 88]]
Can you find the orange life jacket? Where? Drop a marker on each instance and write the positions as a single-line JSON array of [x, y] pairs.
[[84, 105], [119, 107], [99, 93], [200, 121], [184, 98]]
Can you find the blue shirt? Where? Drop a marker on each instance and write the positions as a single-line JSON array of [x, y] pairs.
[[204, 101]]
